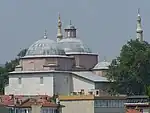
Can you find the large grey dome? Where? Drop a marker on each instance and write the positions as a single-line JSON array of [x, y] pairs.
[[44, 47], [73, 45]]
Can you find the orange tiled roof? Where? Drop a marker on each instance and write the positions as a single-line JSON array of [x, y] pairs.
[[132, 111], [32, 101], [8, 100]]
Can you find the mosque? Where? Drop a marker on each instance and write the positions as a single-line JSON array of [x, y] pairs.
[[63, 67]]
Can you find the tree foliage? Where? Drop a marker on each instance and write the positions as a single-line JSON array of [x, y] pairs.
[[131, 70], [22, 53]]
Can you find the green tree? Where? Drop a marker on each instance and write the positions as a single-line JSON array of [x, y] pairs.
[[130, 72], [3, 79], [10, 66], [22, 53], [147, 90]]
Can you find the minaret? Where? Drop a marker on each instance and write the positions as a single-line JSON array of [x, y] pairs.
[[59, 31], [45, 34], [139, 30], [70, 31]]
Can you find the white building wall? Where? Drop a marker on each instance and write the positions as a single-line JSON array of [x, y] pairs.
[[30, 85], [146, 110], [61, 83], [81, 83]]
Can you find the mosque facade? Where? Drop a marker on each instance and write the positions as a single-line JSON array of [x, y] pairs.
[[52, 67], [61, 67]]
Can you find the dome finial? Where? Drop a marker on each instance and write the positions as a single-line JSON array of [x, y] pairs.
[[70, 22], [59, 31], [59, 20], [139, 30], [45, 34], [105, 59], [138, 10]]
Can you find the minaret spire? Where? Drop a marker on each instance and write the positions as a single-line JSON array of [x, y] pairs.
[[59, 31], [45, 34], [70, 22], [139, 30]]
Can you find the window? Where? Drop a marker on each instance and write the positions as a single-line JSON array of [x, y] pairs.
[[44, 110], [41, 80], [109, 103], [19, 80], [97, 92]]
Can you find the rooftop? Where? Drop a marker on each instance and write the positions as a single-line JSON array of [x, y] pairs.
[[91, 76], [88, 97], [102, 65], [27, 100], [42, 102], [47, 56], [132, 111], [9, 99], [73, 45]]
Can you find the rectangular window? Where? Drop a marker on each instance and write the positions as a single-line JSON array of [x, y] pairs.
[[19, 80], [41, 80]]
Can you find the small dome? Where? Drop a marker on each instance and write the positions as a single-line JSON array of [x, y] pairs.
[[45, 47], [70, 27], [102, 65], [73, 45]]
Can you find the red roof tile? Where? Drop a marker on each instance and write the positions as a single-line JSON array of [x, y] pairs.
[[132, 111], [8, 100], [32, 101]]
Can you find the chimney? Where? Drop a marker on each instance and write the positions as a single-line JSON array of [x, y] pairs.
[[11, 96], [20, 101], [82, 91], [57, 101], [15, 101], [46, 98]]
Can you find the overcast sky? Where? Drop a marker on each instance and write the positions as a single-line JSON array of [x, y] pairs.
[[104, 25]]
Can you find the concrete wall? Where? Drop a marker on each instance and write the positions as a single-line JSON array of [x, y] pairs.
[[66, 63], [30, 84], [84, 106], [36, 109], [32, 64], [81, 83], [63, 84], [86, 60], [36, 64], [146, 110]]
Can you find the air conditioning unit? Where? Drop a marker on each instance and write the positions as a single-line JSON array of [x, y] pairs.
[[94, 92]]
